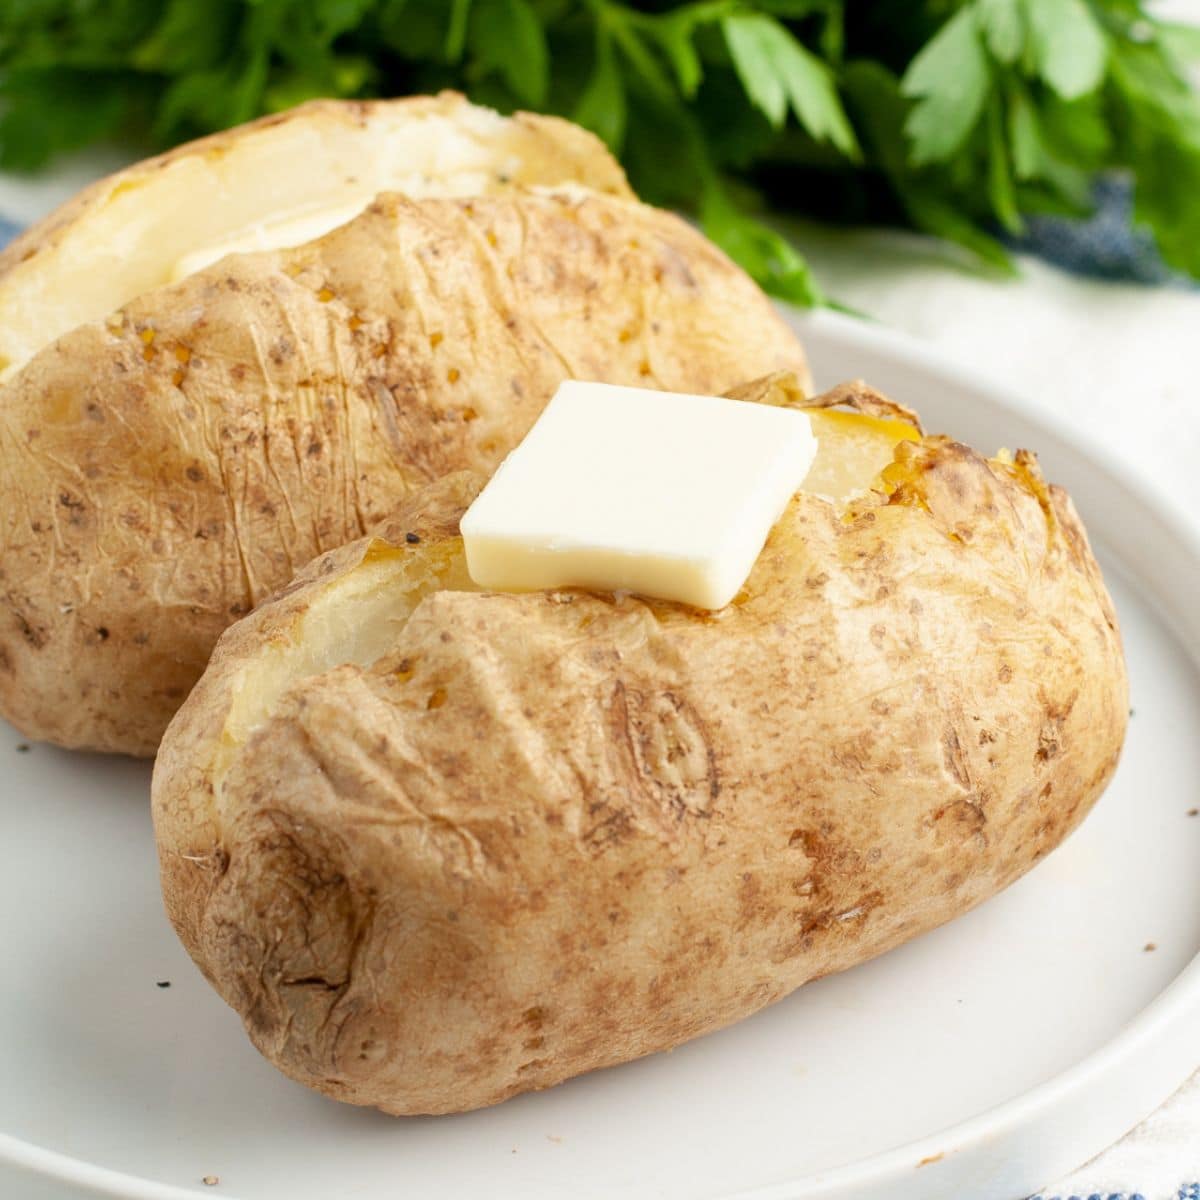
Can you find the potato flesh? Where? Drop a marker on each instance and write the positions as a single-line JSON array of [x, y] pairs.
[[292, 228], [353, 622], [357, 618], [165, 219], [852, 450]]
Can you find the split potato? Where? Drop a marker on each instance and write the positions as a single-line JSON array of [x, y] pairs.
[[276, 182], [438, 846], [166, 467]]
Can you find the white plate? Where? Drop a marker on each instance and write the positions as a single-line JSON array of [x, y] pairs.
[[983, 1059]]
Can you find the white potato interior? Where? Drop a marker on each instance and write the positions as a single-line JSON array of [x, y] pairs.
[[266, 188], [852, 449], [355, 619], [276, 232]]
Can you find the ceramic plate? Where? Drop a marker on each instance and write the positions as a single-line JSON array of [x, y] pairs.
[[984, 1058]]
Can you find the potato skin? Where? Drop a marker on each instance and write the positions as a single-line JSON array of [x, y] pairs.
[[548, 833], [162, 473]]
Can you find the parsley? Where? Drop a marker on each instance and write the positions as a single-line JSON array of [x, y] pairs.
[[960, 117], [778, 73], [951, 79]]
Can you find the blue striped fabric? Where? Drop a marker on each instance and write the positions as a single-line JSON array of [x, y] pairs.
[[1189, 1191], [1105, 245], [1098, 1196]]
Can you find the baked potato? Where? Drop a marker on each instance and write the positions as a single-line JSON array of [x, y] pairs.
[[165, 468], [275, 182], [438, 846]]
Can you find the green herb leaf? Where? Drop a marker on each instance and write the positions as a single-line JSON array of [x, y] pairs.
[[675, 33], [762, 251], [331, 18], [665, 149], [752, 43], [645, 64], [506, 37], [1026, 137], [1000, 183], [187, 37], [1003, 25], [49, 112], [413, 30], [1069, 48], [777, 71], [1182, 42], [1168, 182], [795, 8], [1035, 155], [1154, 92], [873, 93], [943, 220], [1158, 135], [601, 107], [456, 32], [950, 80], [1077, 130]]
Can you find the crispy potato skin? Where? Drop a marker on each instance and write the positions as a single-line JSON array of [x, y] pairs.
[[163, 472], [548, 833]]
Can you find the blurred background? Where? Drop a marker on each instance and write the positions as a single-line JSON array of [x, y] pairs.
[[983, 123]]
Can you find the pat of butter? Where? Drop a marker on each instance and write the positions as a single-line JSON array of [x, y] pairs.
[[292, 230], [628, 489]]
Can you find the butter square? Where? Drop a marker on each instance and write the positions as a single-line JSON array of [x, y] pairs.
[[631, 489]]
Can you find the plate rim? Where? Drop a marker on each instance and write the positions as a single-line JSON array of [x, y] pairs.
[[1168, 1010], [1182, 995]]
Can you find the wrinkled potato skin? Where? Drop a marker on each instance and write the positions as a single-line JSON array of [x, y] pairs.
[[548, 833], [162, 473]]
